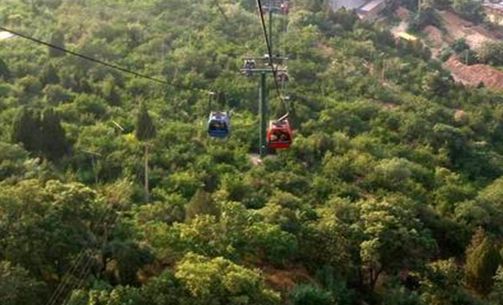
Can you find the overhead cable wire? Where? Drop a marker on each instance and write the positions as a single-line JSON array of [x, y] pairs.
[[86, 57], [101, 62], [76, 267], [66, 278], [221, 10], [84, 272], [269, 52]]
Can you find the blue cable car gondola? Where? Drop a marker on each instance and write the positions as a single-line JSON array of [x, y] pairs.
[[219, 125]]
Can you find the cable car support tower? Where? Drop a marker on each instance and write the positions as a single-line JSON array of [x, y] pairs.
[[268, 64]]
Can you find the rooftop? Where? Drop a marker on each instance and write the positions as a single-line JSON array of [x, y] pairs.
[[5, 35], [370, 6], [348, 4], [494, 6], [407, 36]]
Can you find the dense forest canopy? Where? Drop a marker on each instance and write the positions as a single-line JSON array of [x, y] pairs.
[[392, 192]]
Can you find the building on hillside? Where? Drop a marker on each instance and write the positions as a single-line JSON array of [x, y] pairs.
[[347, 4], [371, 10], [407, 37], [365, 9], [494, 12]]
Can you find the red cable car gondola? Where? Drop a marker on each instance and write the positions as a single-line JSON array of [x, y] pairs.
[[279, 134], [285, 8]]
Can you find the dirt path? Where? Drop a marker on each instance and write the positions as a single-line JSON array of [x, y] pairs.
[[435, 40], [402, 27], [403, 14]]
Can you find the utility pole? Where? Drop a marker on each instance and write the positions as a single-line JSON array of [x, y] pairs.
[[263, 115], [270, 26], [262, 66], [94, 155], [383, 70], [146, 176]]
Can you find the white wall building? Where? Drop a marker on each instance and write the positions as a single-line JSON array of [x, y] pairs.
[[366, 9]]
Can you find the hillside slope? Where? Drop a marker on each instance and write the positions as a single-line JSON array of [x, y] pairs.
[[390, 194]]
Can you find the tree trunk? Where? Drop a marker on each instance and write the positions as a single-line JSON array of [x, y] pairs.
[[95, 172], [221, 10], [147, 192], [374, 276]]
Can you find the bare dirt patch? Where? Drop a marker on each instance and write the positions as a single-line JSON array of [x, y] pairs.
[[402, 13], [457, 28], [389, 106], [460, 116], [475, 74], [286, 280], [326, 51], [435, 40], [434, 35]]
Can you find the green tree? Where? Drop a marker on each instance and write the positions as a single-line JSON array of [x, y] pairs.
[[436, 84], [270, 241], [117, 296], [56, 94], [4, 70], [26, 130], [54, 142], [393, 238], [110, 92], [30, 87], [57, 39], [442, 283], [427, 16], [49, 75], [165, 289], [491, 52], [12, 164], [450, 190], [460, 45], [493, 193], [201, 203], [17, 287], [220, 281], [401, 296], [496, 295], [311, 295], [469, 9], [331, 239], [45, 224], [145, 131], [124, 260], [482, 261]]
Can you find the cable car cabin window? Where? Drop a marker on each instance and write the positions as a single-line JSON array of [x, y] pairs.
[[282, 77], [216, 125], [280, 136]]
